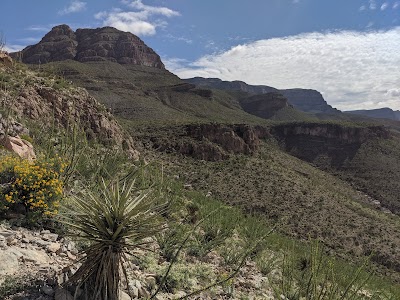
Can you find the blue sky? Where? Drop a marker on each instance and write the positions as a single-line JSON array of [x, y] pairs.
[[347, 49]]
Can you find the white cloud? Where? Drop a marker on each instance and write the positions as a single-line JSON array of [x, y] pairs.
[[395, 93], [13, 48], [154, 10], [139, 21], [74, 7], [384, 6], [29, 40], [362, 8], [372, 4], [354, 70], [396, 5], [39, 28]]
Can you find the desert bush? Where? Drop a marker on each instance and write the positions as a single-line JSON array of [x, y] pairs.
[[115, 220], [32, 187]]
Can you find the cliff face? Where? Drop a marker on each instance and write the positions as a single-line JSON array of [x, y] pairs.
[[44, 101], [264, 105], [216, 83], [214, 142], [84, 45], [381, 113], [327, 145], [308, 101]]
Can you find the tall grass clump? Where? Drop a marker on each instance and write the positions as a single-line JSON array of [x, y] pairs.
[[316, 277], [116, 220]]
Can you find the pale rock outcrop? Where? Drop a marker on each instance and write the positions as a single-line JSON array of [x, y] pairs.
[[21, 147], [5, 59]]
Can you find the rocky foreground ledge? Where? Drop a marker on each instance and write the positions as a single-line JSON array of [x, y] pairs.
[[41, 262]]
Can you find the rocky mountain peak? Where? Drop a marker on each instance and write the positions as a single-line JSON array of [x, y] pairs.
[[83, 45], [59, 32]]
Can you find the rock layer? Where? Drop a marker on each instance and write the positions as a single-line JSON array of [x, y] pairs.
[[264, 105], [215, 142], [324, 144], [84, 45], [305, 100]]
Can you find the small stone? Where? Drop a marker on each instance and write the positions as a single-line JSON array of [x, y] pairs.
[[71, 256], [144, 293], [134, 291], [151, 282], [47, 290], [11, 241], [70, 246], [7, 233], [53, 247], [137, 284], [26, 240], [42, 243], [52, 237], [124, 296]]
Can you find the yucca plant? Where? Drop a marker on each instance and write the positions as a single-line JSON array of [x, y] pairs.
[[116, 220]]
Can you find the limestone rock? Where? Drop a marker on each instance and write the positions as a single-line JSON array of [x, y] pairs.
[[5, 59], [53, 247], [21, 147], [264, 105], [124, 296], [73, 106]]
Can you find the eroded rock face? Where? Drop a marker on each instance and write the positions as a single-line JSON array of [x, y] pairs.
[[70, 107], [5, 59], [84, 45], [264, 105], [305, 100], [332, 144], [309, 101], [216, 83], [215, 142]]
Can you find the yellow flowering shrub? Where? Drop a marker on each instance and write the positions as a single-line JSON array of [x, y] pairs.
[[36, 185]]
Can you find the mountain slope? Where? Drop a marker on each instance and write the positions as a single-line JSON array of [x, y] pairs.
[[304, 200], [380, 113], [310, 101]]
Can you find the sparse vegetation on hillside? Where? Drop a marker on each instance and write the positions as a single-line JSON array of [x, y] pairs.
[[238, 228]]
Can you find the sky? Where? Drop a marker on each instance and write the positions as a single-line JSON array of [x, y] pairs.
[[349, 50]]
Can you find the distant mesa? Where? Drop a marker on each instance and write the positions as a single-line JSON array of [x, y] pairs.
[[216, 83], [310, 101], [84, 45], [380, 113]]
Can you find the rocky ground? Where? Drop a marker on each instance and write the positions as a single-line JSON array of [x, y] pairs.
[[39, 263]]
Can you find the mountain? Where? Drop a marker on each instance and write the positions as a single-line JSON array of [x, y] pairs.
[[309, 101], [380, 113], [318, 179], [216, 83], [85, 45]]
